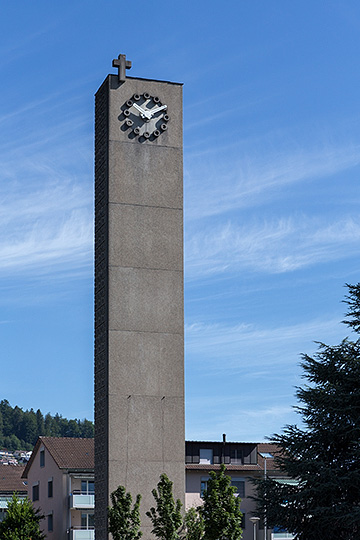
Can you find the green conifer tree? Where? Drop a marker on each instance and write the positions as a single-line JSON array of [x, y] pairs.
[[323, 457]]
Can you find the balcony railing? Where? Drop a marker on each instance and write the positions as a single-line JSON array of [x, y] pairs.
[[82, 534], [82, 500]]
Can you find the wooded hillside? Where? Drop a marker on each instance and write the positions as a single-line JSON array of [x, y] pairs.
[[19, 429]]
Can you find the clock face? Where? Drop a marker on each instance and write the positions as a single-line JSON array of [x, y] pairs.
[[145, 117]]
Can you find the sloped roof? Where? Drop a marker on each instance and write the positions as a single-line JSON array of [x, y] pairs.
[[10, 479], [67, 452]]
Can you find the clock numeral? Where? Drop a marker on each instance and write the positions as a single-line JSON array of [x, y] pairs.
[[129, 103], [137, 131], [156, 99], [146, 95], [129, 122], [163, 127], [126, 112], [166, 117], [136, 97], [156, 133]]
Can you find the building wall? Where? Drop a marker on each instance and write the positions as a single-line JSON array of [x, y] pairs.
[[55, 504], [193, 498]]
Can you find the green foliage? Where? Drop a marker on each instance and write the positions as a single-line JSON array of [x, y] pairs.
[[166, 517], [20, 429], [194, 524], [324, 456], [21, 521], [124, 522], [221, 509]]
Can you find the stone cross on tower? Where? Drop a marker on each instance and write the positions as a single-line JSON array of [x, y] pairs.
[[122, 64]]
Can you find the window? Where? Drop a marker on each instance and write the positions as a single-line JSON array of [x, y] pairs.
[[50, 487], [42, 458], [50, 522], [35, 492], [87, 520], [87, 487], [203, 485], [239, 483], [236, 456], [206, 456]]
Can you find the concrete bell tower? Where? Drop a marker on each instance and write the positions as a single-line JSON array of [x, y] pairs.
[[139, 315]]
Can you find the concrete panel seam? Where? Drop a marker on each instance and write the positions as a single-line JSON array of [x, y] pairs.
[[146, 268], [146, 206], [146, 332], [154, 145]]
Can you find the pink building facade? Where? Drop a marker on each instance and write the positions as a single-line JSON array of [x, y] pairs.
[[60, 476]]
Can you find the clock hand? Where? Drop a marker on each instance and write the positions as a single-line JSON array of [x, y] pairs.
[[144, 114], [140, 109], [157, 109]]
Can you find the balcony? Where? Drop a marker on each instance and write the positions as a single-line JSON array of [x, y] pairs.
[[5, 500], [82, 534], [80, 500]]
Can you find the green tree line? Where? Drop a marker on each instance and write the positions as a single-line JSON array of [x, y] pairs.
[[20, 429]]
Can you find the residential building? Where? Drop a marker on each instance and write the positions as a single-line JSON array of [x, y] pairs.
[[244, 461], [60, 476], [11, 482]]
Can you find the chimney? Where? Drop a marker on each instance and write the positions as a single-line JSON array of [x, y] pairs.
[[224, 438]]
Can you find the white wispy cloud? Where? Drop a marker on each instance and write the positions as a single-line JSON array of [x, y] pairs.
[[274, 247], [246, 348], [235, 177], [68, 241], [45, 223], [46, 207]]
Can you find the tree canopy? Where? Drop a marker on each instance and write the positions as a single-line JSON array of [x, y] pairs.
[[220, 512], [324, 455], [124, 521], [166, 516], [21, 521]]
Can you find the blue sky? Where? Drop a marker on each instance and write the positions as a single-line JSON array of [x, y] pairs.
[[271, 176]]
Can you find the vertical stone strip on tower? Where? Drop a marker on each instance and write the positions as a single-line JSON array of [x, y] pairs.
[[101, 306], [139, 323]]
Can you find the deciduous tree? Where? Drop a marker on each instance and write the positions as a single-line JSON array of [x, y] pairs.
[[124, 521], [193, 524], [221, 509], [166, 516], [21, 521]]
